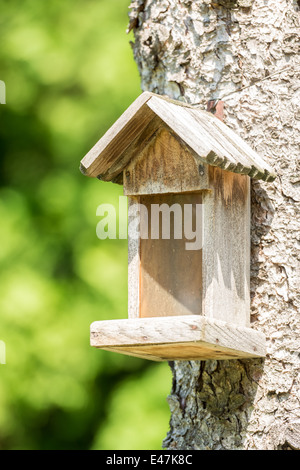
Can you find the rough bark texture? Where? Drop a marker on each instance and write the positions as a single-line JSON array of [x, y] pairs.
[[201, 50]]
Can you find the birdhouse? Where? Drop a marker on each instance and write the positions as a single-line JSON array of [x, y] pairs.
[[187, 179]]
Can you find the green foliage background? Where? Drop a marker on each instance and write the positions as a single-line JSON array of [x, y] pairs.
[[69, 74]]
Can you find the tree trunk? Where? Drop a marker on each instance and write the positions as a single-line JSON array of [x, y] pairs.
[[200, 50]]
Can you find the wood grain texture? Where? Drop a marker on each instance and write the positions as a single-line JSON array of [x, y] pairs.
[[118, 137], [165, 165], [170, 275], [181, 351], [184, 338], [135, 148], [210, 139], [226, 248], [133, 257]]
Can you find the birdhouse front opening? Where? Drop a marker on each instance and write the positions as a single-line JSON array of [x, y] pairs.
[[187, 178], [170, 269]]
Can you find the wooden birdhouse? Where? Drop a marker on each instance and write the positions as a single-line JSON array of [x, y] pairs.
[[187, 298]]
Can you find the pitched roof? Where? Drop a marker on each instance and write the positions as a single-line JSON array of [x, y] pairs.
[[205, 135]]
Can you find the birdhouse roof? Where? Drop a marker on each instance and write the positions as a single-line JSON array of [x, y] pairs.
[[209, 139]]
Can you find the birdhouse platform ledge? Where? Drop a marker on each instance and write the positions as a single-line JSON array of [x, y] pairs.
[[185, 337]]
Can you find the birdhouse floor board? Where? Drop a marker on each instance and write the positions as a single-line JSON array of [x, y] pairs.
[[180, 352], [187, 337]]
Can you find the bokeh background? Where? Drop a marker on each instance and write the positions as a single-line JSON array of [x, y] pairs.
[[69, 73]]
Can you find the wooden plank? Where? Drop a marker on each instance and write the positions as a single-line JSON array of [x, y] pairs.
[[171, 338], [171, 274], [180, 352], [182, 123], [219, 143], [209, 137], [212, 141], [226, 248], [164, 166], [187, 123], [118, 137], [135, 352], [135, 148], [133, 257], [254, 158]]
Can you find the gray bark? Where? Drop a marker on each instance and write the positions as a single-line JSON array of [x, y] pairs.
[[200, 50]]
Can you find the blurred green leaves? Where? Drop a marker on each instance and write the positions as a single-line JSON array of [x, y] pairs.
[[69, 74], [144, 417]]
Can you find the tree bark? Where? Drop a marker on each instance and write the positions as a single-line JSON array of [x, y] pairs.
[[200, 50]]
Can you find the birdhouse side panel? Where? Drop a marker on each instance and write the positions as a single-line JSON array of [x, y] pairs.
[[133, 257], [226, 248]]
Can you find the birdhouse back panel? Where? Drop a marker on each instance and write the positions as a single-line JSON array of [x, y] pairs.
[[170, 263]]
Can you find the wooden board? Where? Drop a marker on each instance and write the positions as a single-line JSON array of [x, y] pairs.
[[189, 337], [165, 165], [170, 274], [136, 147], [226, 248], [133, 257], [214, 142], [119, 136], [211, 140]]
